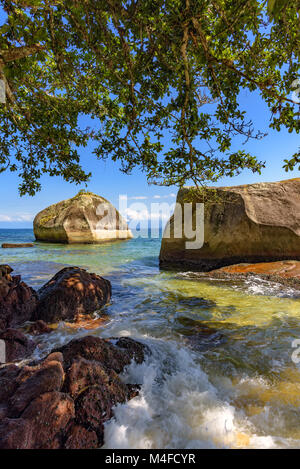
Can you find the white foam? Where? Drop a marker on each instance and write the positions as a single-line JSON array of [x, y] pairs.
[[175, 409]]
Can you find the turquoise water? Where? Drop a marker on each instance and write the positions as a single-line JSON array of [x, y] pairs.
[[221, 372]]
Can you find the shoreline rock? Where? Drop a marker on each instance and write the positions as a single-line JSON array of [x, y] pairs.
[[252, 223], [285, 272], [17, 299], [17, 345], [64, 400], [70, 293]]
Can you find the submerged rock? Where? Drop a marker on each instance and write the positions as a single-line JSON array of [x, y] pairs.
[[70, 293], [17, 300], [250, 223], [86, 218], [64, 400]]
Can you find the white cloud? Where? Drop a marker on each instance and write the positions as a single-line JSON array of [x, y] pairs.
[[137, 197], [5, 218], [16, 217], [164, 196]]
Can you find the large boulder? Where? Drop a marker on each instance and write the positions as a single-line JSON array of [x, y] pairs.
[[242, 224], [63, 401], [86, 218], [71, 293], [17, 300]]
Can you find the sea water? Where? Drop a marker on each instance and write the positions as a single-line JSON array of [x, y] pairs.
[[221, 373]]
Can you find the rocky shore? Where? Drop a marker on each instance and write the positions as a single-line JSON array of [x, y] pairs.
[[63, 400]]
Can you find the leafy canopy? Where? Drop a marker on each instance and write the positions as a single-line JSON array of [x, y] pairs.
[[143, 70]]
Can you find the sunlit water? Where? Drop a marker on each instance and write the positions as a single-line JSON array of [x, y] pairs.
[[221, 372]]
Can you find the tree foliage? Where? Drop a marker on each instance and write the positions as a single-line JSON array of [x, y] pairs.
[[143, 70]]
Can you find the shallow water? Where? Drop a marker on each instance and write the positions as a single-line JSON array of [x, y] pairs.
[[221, 372]]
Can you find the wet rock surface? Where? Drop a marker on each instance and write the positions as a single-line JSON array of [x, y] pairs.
[[64, 400], [71, 292], [17, 344], [39, 327], [17, 300], [284, 272]]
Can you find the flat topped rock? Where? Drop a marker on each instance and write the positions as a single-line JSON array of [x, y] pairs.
[[85, 218], [242, 224], [284, 269], [17, 245], [284, 272]]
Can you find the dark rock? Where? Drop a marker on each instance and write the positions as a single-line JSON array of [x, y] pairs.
[[81, 438], [71, 292], [8, 383], [39, 327], [64, 400], [18, 245], [49, 377], [101, 350], [17, 345], [48, 416], [17, 300]]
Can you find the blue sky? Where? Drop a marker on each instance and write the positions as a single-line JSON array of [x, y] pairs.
[[108, 181]]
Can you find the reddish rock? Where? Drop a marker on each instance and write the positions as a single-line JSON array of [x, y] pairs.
[[8, 383], [110, 356], [39, 327], [70, 293], [81, 438], [285, 269], [286, 272], [17, 300], [15, 434], [17, 345], [48, 416], [49, 377], [17, 245], [64, 400]]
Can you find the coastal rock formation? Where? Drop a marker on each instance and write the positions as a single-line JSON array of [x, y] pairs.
[[64, 400], [285, 272], [17, 345], [17, 300], [250, 223], [86, 218], [70, 293]]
